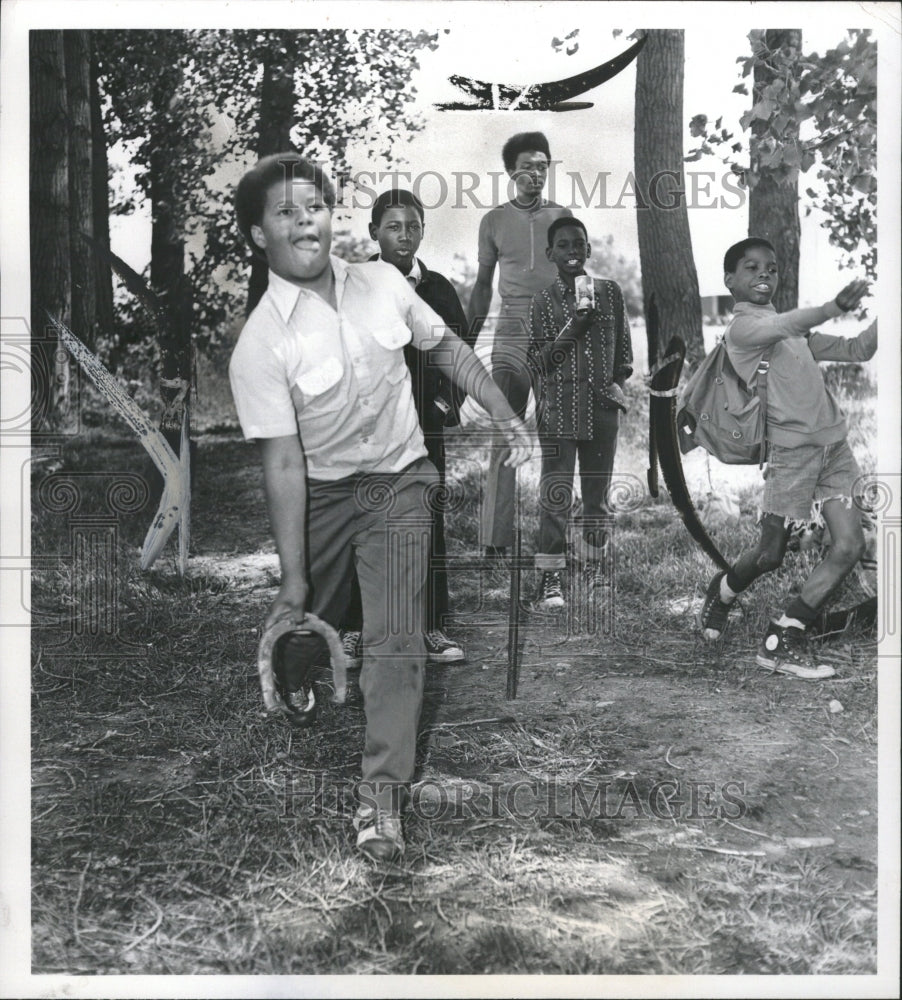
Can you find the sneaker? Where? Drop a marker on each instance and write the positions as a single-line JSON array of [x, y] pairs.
[[595, 577], [352, 644], [379, 834], [551, 593], [712, 618], [294, 658], [784, 649], [441, 649]]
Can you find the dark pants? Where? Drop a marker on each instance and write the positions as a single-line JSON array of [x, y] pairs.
[[596, 465], [511, 374], [437, 577], [379, 526]]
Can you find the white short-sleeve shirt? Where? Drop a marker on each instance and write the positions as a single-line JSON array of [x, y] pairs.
[[337, 378]]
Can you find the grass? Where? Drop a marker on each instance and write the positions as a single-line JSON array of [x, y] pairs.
[[178, 830]]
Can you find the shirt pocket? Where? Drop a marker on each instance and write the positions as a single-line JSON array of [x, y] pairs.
[[391, 341], [393, 337], [318, 385]]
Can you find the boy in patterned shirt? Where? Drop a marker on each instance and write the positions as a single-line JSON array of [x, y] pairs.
[[579, 359]]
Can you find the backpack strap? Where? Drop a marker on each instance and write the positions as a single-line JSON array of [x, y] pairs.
[[761, 390]]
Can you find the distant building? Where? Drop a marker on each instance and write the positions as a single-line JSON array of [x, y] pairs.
[[715, 308]]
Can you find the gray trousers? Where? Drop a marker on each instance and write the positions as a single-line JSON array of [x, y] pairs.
[[379, 524], [596, 466]]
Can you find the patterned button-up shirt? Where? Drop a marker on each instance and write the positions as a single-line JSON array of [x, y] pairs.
[[570, 378]]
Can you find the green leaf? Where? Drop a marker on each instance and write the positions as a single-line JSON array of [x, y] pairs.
[[698, 126]]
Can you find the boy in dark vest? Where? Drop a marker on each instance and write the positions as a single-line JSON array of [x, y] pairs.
[[397, 225]]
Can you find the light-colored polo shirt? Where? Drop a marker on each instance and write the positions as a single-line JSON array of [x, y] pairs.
[[338, 378], [516, 238]]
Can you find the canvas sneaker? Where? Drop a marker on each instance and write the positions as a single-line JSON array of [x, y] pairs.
[[551, 592], [352, 644], [441, 649], [712, 618], [595, 577], [784, 649], [379, 834]]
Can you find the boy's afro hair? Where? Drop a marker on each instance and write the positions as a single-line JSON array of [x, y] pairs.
[[565, 220], [523, 142], [395, 198], [250, 195], [737, 251]]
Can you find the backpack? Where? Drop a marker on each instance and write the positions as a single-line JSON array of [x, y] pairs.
[[718, 412]]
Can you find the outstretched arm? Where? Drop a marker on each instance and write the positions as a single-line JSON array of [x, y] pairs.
[[825, 347], [285, 485], [759, 331], [454, 359]]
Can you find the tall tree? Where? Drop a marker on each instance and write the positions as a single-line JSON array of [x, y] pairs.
[[773, 184], [834, 94], [669, 279], [77, 50], [274, 123], [51, 285], [345, 84], [100, 199]]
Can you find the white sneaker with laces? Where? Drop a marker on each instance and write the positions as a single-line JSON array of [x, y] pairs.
[[441, 649], [353, 647], [379, 834], [551, 591]]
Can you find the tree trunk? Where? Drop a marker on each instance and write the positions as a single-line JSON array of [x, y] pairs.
[[100, 199], [277, 100], [773, 198], [167, 268], [77, 48], [49, 221], [669, 280], [168, 279]]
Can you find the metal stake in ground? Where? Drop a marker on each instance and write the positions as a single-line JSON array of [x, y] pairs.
[[513, 625]]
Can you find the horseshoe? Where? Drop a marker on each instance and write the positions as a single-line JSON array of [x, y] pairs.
[[272, 697]]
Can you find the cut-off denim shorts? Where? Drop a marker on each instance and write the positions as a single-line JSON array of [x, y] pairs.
[[799, 481]]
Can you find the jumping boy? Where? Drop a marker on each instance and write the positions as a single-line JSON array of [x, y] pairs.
[[811, 472], [579, 359], [319, 379], [512, 235], [397, 225]]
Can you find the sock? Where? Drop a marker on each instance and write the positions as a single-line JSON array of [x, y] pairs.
[[727, 594], [784, 621], [801, 611], [730, 584]]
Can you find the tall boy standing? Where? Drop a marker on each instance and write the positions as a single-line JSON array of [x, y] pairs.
[[397, 225], [319, 379], [811, 471], [513, 236], [579, 359]]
